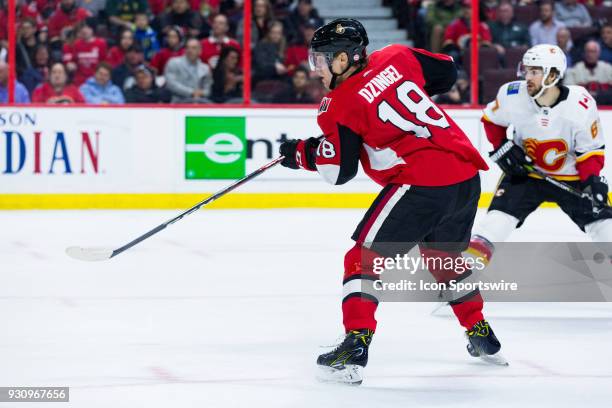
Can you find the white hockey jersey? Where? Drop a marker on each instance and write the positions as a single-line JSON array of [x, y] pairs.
[[555, 137]]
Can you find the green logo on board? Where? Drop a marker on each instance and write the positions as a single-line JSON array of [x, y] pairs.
[[215, 147]]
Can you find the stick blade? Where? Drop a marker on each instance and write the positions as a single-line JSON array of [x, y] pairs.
[[91, 254]]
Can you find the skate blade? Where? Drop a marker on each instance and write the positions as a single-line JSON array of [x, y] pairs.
[[496, 359], [351, 374]]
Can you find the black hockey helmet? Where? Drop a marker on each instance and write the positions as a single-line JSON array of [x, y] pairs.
[[340, 35]]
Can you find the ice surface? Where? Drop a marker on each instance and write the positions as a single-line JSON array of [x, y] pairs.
[[228, 309]]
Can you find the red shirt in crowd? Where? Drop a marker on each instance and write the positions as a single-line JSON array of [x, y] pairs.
[[295, 56], [35, 9], [160, 59], [43, 5], [60, 20], [86, 55], [3, 25], [158, 6], [45, 93], [115, 56], [32, 11], [458, 30], [211, 48]]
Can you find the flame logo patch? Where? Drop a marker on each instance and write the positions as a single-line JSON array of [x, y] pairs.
[[549, 155]]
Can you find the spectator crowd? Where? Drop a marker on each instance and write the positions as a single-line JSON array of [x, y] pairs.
[[581, 28], [158, 51], [190, 51]]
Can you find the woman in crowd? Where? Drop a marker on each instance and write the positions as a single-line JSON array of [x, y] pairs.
[[269, 54], [263, 15], [227, 78], [173, 47], [26, 45], [39, 71], [116, 54]]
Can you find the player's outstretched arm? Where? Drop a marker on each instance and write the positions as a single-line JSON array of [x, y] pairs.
[[335, 157]]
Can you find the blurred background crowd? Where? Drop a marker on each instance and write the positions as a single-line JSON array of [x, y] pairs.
[[190, 51]]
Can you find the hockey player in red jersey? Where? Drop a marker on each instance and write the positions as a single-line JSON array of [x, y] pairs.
[[380, 113]]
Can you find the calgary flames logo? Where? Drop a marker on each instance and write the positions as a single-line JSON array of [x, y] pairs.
[[549, 155]]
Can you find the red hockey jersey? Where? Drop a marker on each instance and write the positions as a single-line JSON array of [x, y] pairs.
[[86, 55], [384, 117]]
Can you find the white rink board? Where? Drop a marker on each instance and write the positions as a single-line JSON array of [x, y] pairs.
[[142, 150]]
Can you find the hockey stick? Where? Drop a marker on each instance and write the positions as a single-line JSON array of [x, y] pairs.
[[565, 187], [102, 254]]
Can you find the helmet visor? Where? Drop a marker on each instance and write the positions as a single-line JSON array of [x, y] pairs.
[[320, 61], [522, 70]]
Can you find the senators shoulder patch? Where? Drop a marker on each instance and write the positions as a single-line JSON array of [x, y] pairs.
[[513, 88], [324, 106]]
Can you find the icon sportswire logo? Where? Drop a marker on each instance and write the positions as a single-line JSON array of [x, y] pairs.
[[215, 147]]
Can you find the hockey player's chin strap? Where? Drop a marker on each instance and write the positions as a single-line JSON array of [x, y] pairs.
[[332, 84], [544, 86]]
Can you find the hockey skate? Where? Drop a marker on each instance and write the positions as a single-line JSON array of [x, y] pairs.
[[345, 363], [482, 343]]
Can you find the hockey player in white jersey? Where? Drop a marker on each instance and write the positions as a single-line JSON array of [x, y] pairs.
[[556, 130]]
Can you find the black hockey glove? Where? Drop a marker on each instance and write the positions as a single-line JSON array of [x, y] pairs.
[[299, 153], [511, 159], [288, 150], [597, 189]]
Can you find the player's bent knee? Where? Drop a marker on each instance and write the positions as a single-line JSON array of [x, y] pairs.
[[496, 226], [600, 231], [359, 260]]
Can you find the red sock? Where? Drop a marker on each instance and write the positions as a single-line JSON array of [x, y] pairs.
[[358, 308], [469, 312]]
